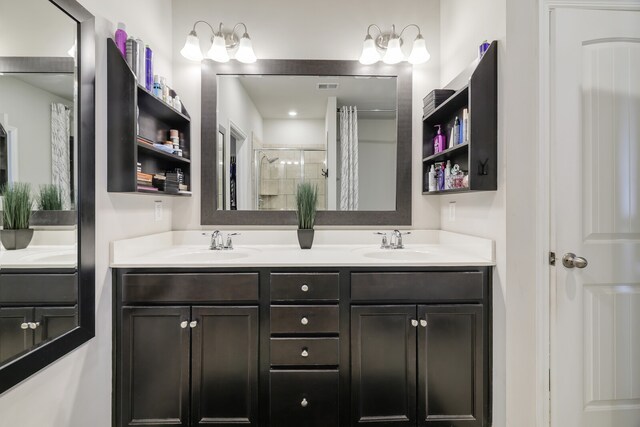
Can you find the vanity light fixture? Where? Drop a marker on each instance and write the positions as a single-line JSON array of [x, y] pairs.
[[221, 43], [391, 44]]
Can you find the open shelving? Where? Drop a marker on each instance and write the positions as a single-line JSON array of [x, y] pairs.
[[133, 113], [479, 156]]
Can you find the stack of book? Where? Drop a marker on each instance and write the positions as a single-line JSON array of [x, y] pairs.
[[145, 182], [159, 181], [173, 181], [434, 99]]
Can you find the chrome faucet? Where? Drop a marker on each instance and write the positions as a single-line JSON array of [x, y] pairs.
[[395, 242], [218, 242]]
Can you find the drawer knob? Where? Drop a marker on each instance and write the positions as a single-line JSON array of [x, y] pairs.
[[305, 353], [304, 321], [423, 323], [305, 288], [414, 323], [24, 326], [184, 324], [304, 403], [33, 325], [193, 323]]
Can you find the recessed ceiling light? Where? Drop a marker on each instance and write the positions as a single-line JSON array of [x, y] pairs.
[[293, 113]]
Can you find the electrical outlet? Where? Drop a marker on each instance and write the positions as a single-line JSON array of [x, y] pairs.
[[158, 210], [452, 211]]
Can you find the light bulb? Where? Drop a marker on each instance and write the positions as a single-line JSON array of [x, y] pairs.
[[218, 51], [394, 52], [191, 49], [419, 53], [245, 50], [370, 54]]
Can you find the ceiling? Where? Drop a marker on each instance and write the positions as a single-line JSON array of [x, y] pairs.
[[276, 96], [61, 85]]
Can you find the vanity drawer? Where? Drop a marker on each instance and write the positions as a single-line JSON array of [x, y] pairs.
[[305, 351], [304, 398], [305, 319], [305, 286], [38, 289], [190, 288], [425, 286]]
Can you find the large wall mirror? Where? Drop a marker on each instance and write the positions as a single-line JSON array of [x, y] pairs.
[[47, 183], [342, 126]]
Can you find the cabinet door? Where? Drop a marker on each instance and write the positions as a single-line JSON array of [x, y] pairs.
[[225, 366], [383, 365], [450, 366], [154, 387], [54, 321], [14, 338]]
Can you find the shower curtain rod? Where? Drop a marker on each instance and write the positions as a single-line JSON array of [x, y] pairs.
[[372, 111]]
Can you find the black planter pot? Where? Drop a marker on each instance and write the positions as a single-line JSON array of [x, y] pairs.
[[16, 239], [305, 238]]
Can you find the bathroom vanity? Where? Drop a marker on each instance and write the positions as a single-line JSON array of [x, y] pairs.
[[341, 335]]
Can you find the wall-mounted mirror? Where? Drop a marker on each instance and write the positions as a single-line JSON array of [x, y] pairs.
[[46, 184], [344, 127]]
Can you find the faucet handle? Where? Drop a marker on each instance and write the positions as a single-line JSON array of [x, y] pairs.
[[229, 244], [385, 240]]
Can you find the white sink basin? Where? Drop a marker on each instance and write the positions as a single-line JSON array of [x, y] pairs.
[[65, 256], [394, 254]]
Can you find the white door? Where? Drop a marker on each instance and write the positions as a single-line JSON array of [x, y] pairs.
[[595, 213]]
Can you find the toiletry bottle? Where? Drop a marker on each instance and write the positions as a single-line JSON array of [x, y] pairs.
[[447, 176], [465, 126], [121, 38], [148, 55], [439, 141], [177, 104], [157, 90], [441, 177], [455, 133], [432, 178], [141, 73], [484, 47]]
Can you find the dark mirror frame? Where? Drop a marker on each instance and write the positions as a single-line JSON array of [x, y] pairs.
[[23, 367], [209, 213]]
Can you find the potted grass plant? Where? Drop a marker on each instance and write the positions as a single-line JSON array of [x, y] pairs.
[[50, 198], [306, 202], [16, 212]]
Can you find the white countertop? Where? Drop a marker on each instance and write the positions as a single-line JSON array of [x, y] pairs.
[[279, 248], [39, 257]]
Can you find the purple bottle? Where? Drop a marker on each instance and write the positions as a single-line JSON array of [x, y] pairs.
[[148, 55], [121, 39], [439, 141]]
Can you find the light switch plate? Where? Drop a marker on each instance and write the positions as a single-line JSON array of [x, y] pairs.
[[158, 210], [452, 211]]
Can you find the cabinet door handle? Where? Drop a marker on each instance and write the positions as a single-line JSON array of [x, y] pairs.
[[304, 403], [414, 323], [184, 324], [304, 321], [304, 287], [305, 353], [24, 325], [193, 324], [423, 323], [33, 325]]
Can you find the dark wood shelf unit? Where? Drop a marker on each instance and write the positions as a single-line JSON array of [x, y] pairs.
[[133, 112], [479, 156]]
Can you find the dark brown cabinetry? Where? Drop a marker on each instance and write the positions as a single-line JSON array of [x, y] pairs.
[[433, 355], [382, 347]]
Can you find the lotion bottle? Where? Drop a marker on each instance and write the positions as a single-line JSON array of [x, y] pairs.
[[121, 39], [447, 176], [432, 178], [439, 141]]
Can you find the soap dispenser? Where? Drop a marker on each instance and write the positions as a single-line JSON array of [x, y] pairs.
[[439, 141]]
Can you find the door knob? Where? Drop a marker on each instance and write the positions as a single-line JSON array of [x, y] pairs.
[[33, 325], [570, 260], [24, 325]]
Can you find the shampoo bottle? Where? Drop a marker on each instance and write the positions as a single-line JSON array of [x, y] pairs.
[[432, 178], [447, 176], [455, 133], [440, 141], [121, 39]]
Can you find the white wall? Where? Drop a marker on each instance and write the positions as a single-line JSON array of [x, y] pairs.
[[75, 391], [377, 153], [464, 25], [301, 133], [237, 110], [284, 29], [28, 109], [331, 130]]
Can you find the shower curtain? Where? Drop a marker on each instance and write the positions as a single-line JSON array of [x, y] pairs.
[[60, 156], [349, 159]]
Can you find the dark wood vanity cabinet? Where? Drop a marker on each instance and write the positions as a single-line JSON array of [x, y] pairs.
[[401, 347]]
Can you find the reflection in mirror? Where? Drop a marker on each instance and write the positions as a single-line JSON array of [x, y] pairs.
[[39, 180], [339, 133]]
